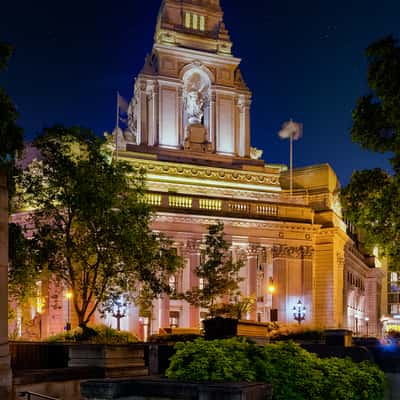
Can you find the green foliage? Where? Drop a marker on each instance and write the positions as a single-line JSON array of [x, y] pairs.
[[22, 273], [11, 135], [227, 360], [376, 118], [91, 223], [372, 198], [172, 338], [372, 201], [96, 334], [217, 270], [294, 373], [233, 310], [345, 380]]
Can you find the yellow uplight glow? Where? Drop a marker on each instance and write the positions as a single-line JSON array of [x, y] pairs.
[[68, 295], [271, 288]]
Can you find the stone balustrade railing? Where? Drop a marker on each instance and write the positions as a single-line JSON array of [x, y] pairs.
[[228, 207]]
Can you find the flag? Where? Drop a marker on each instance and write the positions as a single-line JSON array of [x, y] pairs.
[[291, 129], [122, 104]]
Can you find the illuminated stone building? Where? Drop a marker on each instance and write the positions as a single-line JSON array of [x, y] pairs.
[[189, 127]]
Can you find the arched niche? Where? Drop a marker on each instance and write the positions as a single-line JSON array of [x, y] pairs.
[[196, 81]]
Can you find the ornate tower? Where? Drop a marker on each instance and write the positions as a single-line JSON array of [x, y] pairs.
[[190, 94]]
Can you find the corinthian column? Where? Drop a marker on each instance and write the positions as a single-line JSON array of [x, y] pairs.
[[252, 252], [5, 370]]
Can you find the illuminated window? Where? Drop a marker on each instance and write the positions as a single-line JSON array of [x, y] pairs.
[[201, 283], [187, 20], [172, 283], [195, 20], [174, 319], [202, 23]]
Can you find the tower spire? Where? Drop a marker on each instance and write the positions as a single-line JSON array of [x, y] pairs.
[[193, 24]]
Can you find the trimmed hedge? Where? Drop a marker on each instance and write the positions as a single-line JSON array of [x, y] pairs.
[[294, 373], [98, 334]]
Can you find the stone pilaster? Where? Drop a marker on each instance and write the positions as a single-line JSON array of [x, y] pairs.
[[252, 252], [292, 266], [193, 255], [328, 278], [5, 370]]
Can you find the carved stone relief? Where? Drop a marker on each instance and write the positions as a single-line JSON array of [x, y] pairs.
[[283, 251]]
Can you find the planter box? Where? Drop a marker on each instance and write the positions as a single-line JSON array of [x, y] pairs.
[[220, 328], [114, 360], [157, 388]]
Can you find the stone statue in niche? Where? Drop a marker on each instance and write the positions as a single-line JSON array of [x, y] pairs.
[[195, 100], [195, 96], [194, 106]]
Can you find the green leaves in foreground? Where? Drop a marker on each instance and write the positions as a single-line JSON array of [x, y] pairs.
[[294, 373]]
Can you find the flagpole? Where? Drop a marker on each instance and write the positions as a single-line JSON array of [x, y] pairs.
[[291, 163], [117, 128]]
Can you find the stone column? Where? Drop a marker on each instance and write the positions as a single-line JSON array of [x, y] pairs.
[[252, 252], [5, 370], [213, 123], [191, 253]]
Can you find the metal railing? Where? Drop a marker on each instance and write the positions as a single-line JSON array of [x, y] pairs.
[[38, 395]]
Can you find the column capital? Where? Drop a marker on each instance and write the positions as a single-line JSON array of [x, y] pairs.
[[283, 251]]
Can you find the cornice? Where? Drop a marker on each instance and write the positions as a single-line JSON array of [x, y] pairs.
[[169, 169], [190, 55], [278, 226]]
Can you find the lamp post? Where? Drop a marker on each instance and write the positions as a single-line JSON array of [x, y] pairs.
[[68, 295], [299, 312], [366, 324], [271, 290], [119, 312]]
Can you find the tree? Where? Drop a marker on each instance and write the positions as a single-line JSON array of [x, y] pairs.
[[217, 271], [11, 135], [372, 198], [90, 222]]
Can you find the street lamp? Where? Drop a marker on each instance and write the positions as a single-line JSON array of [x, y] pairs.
[[271, 286], [68, 295], [299, 312], [366, 324], [271, 290], [119, 312]]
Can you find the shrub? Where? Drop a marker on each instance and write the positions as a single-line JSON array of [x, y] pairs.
[[172, 338], [294, 373], [299, 375], [226, 360], [98, 334], [296, 333], [363, 381]]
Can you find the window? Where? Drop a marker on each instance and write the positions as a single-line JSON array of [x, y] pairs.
[[195, 21], [174, 319], [172, 283], [187, 20], [201, 283], [202, 23]]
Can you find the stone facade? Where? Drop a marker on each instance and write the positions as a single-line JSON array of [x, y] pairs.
[[192, 135]]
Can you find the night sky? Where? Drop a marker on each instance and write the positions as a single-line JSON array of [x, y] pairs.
[[301, 59]]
